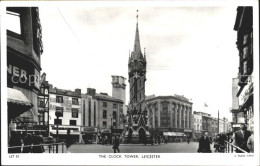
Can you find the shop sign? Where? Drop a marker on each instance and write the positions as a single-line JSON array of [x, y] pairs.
[[72, 129], [88, 129], [35, 127], [170, 130], [21, 76], [186, 130]]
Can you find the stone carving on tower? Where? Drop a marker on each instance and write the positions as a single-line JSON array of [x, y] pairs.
[[137, 125]]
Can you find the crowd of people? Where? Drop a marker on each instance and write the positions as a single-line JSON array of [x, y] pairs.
[[242, 141], [30, 143], [34, 142]]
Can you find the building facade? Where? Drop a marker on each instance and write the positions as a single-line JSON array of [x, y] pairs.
[[90, 116], [244, 27], [197, 125], [24, 50], [110, 113], [68, 103], [169, 114]]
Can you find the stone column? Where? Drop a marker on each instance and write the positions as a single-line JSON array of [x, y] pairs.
[[190, 112], [188, 120], [180, 113], [175, 115], [153, 109], [184, 113], [159, 113], [170, 110]]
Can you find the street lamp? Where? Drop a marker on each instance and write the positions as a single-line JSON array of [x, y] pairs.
[[58, 114]]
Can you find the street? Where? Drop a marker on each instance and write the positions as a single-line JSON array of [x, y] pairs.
[[183, 147]]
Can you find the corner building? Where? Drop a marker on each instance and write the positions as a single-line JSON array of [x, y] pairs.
[[169, 116]]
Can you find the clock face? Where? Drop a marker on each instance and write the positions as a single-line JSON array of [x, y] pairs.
[[140, 65]]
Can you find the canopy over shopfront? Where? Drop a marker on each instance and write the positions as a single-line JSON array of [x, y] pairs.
[[17, 104], [173, 134]]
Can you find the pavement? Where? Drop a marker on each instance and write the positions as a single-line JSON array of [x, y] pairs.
[[182, 147]]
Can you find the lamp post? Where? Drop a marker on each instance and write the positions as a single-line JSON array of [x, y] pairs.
[[58, 114]]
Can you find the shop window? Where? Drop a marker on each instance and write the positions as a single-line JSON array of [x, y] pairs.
[[104, 114], [75, 101], [74, 112], [73, 122], [104, 124], [59, 99]]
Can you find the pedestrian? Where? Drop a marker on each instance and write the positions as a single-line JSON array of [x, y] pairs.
[[204, 144], [15, 140], [151, 138], [250, 142], [28, 141], [68, 139], [159, 139], [240, 138], [222, 139], [188, 140], [145, 140], [37, 141], [166, 139], [116, 144], [216, 143]]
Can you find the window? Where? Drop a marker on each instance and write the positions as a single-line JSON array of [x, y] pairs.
[[58, 121], [73, 122], [60, 109], [114, 124], [41, 102], [75, 101], [74, 112], [104, 104], [114, 114], [59, 99], [104, 124], [114, 105], [42, 91], [104, 114], [14, 22]]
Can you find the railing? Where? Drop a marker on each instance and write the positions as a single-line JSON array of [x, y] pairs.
[[46, 148], [230, 148]]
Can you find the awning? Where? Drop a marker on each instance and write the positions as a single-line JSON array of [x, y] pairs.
[[17, 103], [170, 134], [180, 134]]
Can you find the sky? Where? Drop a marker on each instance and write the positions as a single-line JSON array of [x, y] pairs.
[[190, 51]]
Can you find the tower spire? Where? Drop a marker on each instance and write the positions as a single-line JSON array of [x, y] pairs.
[[137, 46]]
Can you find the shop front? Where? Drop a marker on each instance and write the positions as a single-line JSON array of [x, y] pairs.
[[105, 136], [61, 132], [88, 134], [173, 134], [188, 133]]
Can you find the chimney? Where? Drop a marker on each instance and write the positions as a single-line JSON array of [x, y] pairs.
[[91, 91], [78, 92]]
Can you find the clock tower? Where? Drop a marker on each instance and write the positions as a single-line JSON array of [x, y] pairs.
[[136, 125]]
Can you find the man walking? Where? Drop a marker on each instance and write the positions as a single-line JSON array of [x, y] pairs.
[[204, 144], [240, 138], [116, 144]]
